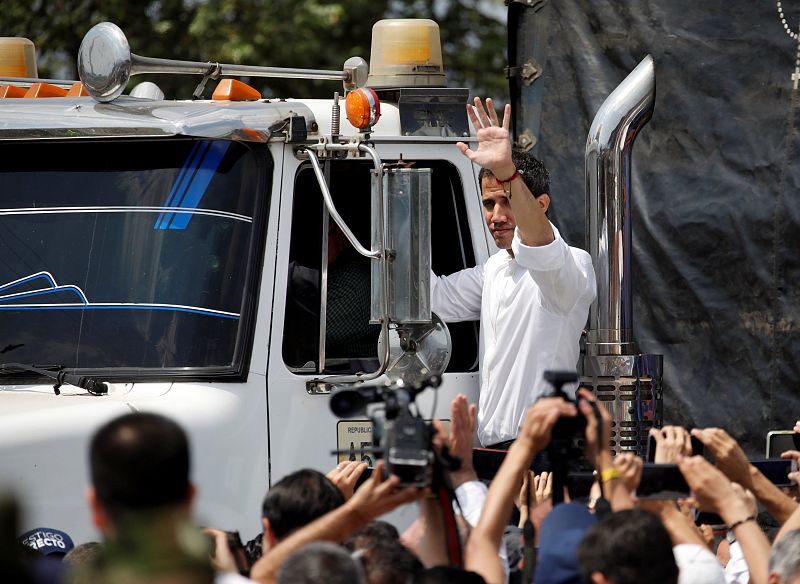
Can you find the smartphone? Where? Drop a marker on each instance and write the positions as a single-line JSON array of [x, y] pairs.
[[776, 470], [579, 484], [712, 519], [780, 441], [662, 481], [697, 448], [238, 553]]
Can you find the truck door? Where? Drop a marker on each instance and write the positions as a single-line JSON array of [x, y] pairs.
[[302, 430]]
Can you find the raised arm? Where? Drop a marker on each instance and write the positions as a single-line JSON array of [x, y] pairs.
[[715, 492], [732, 461], [494, 154], [564, 274], [481, 556]]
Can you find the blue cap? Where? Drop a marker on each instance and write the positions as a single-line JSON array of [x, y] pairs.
[[47, 541], [559, 538]]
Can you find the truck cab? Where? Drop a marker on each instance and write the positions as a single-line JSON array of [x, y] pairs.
[[181, 252]]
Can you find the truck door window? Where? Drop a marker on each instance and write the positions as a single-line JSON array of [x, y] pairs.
[[350, 341], [137, 258]]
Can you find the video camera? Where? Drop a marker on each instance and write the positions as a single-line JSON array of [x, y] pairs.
[[401, 435], [568, 433], [565, 451]]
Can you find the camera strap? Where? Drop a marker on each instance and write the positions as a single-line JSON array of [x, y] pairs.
[[452, 539], [528, 537], [446, 497]]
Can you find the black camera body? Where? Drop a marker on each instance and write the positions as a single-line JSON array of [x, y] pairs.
[[408, 449], [568, 433], [402, 437]]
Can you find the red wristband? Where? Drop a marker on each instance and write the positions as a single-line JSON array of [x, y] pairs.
[[509, 179]]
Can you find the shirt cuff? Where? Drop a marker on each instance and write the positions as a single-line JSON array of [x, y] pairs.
[[540, 257], [471, 496]]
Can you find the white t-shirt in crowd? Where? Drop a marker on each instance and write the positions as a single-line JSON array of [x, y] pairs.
[[697, 565]]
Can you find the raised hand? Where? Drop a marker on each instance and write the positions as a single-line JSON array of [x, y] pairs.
[[728, 455], [462, 437], [540, 418], [494, 146], [630, 469], [671, 441], [345, 476]]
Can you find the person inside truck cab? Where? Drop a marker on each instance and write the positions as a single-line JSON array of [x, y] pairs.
[[349, 337], [532, 297]]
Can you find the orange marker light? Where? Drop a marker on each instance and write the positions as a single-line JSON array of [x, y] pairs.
[[234, 90], [12, 91], [45, 90], [363, 107], [77, 90]]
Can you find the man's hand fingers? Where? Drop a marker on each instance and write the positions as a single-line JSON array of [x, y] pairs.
[[473, 117], [466, 151], [687, 442], [707, 437], [791, 454], [492, 112], [481, 111], [548, 485], [473, 410], [356, 471], [507, 117]]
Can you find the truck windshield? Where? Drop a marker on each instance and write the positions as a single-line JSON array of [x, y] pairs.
[[133, 257]]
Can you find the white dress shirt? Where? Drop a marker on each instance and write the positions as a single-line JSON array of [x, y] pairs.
[[533, 308]]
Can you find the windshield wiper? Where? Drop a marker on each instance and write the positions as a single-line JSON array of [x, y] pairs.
[[93, 386]]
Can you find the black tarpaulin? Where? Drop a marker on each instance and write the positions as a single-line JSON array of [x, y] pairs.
[[716, 225]]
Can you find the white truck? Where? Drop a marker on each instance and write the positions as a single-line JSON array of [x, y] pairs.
[[177, 256]]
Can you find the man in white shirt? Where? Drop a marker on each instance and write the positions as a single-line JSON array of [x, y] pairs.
[[532, 297]]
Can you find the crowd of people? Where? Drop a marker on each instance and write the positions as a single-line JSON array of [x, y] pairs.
[[319, 528]]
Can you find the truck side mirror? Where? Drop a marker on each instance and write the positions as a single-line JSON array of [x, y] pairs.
[[408, 243]]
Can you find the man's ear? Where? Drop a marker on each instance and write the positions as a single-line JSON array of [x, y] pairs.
[[268, 539], [599, 578], [99, 517], [544, 201]]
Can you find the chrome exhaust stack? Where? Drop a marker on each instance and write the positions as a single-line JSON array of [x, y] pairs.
[[628, 383]]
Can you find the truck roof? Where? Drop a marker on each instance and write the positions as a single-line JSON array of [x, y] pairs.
[[131, 116]]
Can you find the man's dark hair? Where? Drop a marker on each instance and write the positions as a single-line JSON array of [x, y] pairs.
[[532, 171], [139, 462], [628, 547], [320, 562], [388, 562], [298, 499], [372, 532]]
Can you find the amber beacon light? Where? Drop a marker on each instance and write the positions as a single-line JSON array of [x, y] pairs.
[[406, 52], [362, 107], [17, 57]]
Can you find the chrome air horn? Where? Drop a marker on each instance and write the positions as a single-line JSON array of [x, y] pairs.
[[105, 64]]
